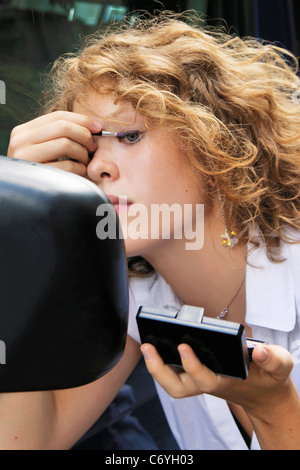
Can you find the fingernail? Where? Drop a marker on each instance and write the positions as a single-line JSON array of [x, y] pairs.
[[96, 126], [183, 352], [146, 353], [263, 354]]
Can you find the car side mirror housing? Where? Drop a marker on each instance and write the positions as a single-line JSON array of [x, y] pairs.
[[63, 291]]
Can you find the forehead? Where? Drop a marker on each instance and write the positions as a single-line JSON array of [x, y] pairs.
[[104, 108]]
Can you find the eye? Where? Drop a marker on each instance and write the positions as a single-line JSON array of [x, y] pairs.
[[131, 137]]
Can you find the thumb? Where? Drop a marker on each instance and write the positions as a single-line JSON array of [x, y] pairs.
[[275, 360]]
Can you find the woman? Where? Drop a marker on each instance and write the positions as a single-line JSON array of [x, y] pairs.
[[201, 118]]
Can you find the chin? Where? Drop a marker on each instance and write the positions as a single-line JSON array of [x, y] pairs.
[[136, 247]]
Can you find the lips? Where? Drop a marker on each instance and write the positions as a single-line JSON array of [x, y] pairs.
[[120, 203]]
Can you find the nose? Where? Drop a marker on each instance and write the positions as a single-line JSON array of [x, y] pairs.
[[101, 168]]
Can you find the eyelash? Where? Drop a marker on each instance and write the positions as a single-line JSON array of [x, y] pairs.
[[126, 134]]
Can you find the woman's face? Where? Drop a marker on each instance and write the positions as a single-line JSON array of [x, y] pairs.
[[145, 169]]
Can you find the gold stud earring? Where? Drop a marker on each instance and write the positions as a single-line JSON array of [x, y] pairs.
[[228, 238]]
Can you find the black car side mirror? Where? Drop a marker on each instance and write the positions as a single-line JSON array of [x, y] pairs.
[[63, 291]]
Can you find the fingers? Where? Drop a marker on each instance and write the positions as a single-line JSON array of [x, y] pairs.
[[55, 135], [177, 385], [51, 150], [206, 380], [163, 374], [268, 375], [70, 166], [79, 119], [275, 360], [59, 129]]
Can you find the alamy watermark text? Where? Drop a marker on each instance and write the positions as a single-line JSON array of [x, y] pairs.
[[159, 221]]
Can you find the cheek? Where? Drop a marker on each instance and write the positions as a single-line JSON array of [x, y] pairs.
[[160, 174]]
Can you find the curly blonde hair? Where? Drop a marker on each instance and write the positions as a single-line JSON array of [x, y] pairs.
[[228, 99]]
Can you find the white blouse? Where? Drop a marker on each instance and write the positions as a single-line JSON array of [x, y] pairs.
[[205, 422]]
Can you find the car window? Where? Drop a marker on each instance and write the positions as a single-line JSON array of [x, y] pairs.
[[33, 33]]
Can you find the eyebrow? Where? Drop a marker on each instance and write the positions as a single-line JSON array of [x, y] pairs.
[[118, 114]]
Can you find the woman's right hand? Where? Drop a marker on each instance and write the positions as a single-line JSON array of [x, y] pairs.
[[62, 139]]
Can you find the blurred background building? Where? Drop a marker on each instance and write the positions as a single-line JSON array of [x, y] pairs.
[[33, 33]]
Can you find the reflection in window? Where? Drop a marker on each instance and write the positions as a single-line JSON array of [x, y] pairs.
[[90, 13], [33, 33]]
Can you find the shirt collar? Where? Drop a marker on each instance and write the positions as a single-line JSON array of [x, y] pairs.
[[270, 295], [270, 292]]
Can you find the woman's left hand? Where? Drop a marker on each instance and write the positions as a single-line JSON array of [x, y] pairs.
[[268, 395], [267, 382]]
